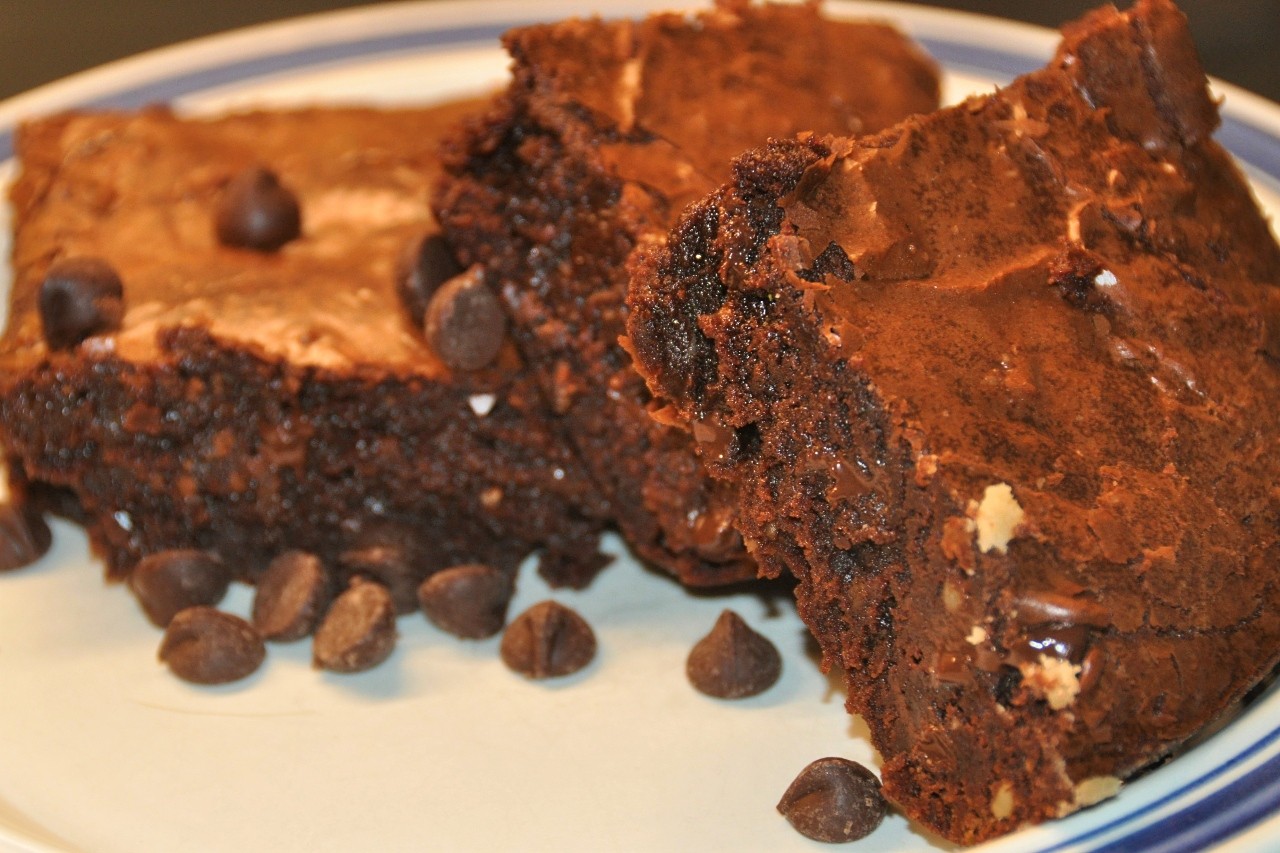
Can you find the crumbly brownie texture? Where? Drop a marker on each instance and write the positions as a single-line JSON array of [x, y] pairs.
[[999, 386], [606, 132], [253, 402]]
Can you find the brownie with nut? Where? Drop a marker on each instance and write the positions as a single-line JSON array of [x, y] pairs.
[[998, 386], [244, 335]]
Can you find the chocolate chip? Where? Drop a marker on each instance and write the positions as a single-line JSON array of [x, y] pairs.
[[79, 297], [464, 323], [467, 601], [208, 646], [388, 557], [548, 640], [257, 212], [291, 597], [733, 661], [358, 632], [427, 264], [834, 800], [169, 581], [24, 536]]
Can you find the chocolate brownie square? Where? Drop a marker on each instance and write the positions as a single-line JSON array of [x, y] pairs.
[[249, 398]]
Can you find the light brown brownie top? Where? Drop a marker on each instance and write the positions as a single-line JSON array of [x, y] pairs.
[[140, 191]]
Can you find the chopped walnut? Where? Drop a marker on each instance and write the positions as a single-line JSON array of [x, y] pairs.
[[1002, 801], [997, 518], [1055, 680]]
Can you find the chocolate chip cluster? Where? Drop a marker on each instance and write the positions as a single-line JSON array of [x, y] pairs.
[[352, 626]]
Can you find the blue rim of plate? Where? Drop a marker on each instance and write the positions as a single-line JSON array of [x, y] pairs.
[[1174, 822]]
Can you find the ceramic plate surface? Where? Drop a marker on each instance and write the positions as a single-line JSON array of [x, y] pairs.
[[442, 747]]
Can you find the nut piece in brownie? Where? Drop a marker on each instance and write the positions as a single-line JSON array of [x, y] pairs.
[[199, 371], [1001, 389], [607, 130]]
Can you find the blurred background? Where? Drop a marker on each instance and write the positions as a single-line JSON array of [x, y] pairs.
[[43, 40]]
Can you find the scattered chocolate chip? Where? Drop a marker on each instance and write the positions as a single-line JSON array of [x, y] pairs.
[[208, 646], [169, 581], [387, 557], [358, 632], [24, 536], [78, 298], [291, 596], [427, 264], [467, 601], [834, 800], [733, 661], [257, 212], [464, 323], [548, 640]]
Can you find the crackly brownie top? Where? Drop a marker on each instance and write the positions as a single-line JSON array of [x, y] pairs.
[[141, 192], [649, 87], [1066, 287]]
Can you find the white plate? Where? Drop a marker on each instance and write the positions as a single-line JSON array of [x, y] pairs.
[[442, 747]]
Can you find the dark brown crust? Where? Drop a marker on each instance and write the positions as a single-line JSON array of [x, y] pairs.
[[607, 130], [1061, 288], [282, 400]]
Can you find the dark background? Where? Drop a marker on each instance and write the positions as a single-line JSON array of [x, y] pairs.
[[43, 40]]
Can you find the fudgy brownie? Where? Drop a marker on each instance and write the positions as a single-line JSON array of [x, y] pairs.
[[607, 130], [999, 386], [250, 401]]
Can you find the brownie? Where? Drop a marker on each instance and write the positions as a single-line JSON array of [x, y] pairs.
[[998, 385], [607, 130], [250, 401]]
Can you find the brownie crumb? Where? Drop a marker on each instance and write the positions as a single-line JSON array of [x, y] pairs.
[[547, 641], [24, 536], [834, 800], [468, 601], [733, 661], [291, 596], [169, 581], [79, 297], [358, 632], [464, 323], [208, 646], [257, 212]]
